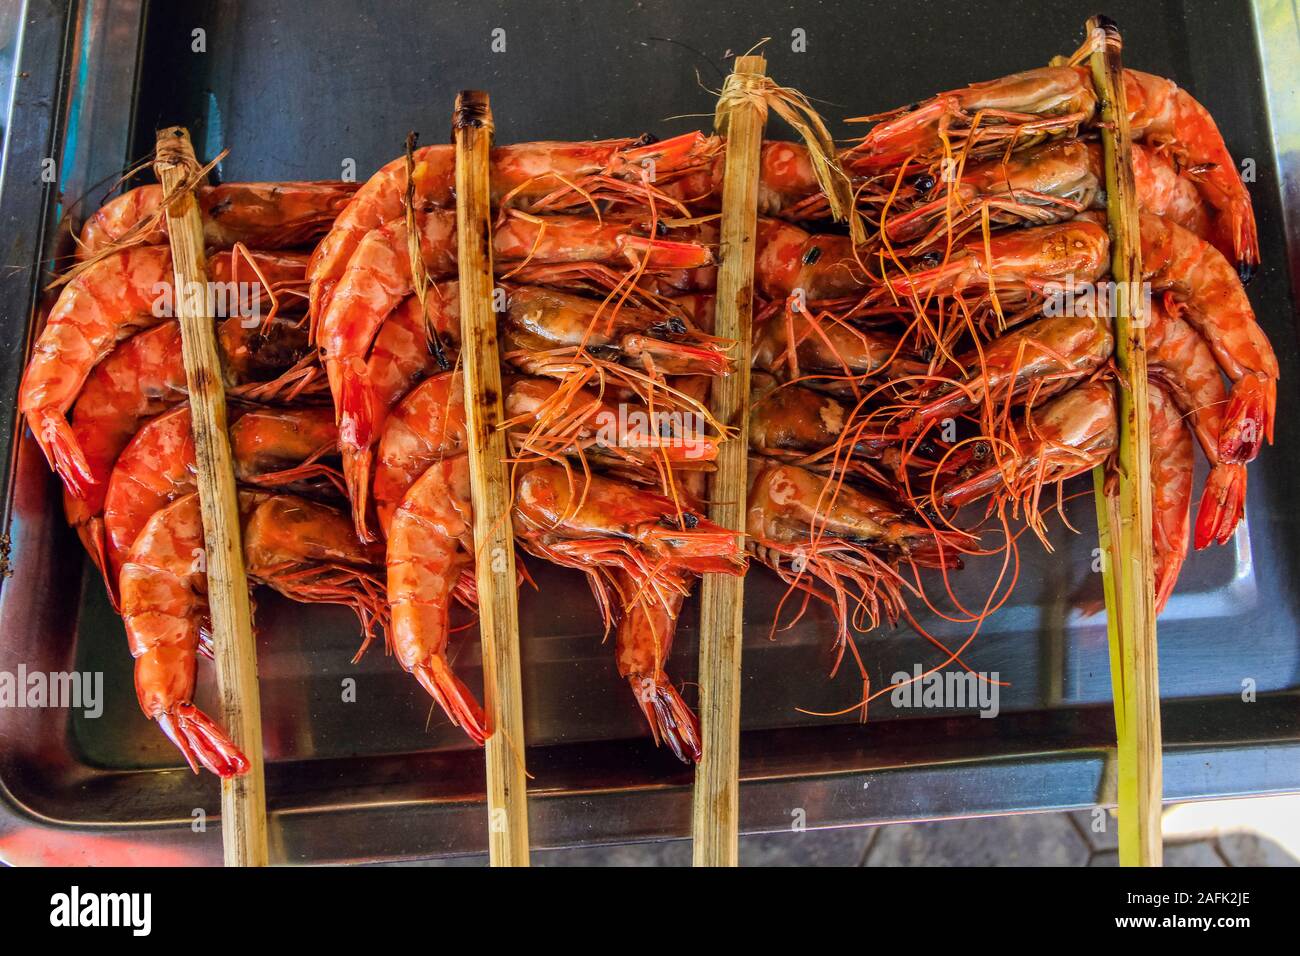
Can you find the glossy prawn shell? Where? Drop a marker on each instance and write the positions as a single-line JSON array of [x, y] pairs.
[[1044, 91], [1009, 261], [544, 328], [428, 424], [1041, 185], [158, 465], [616, 524], [1213, 300], [414, 341], [285, 540], [792, 506], [645, 633], [1044, 357], [521, 174], [548, 418], [377, 280], [1049, 101], [785, 181], [1065, 436], [154, 469], [163, 605], [1063, 170], [642, 643], [1181, 360], [261, 215], [268, 440], [106, 303], [1082, 420], [1046, 184], [1026, 107], [1161, 113], [430, 545], [1171, 491], [789, 258], [403, 353], [819, 432], [1208, 287], [143, 377], [1163, 191], [285, 531], [794, 421], [828, 353], [378, 277]]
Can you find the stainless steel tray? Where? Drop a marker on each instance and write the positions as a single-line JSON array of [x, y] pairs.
[[299, 96]]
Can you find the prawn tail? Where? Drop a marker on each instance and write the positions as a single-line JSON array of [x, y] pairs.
[[356, 474], [63, 451], [91, 533], [671, 720], [1248, 421], [1222, 504], [456, 700], [466, 589], [1168, 566], [1245, 241], [201, 741]]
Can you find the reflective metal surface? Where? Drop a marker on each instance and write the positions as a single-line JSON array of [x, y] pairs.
[[382, 777]]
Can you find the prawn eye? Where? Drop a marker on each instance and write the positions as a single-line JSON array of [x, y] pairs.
[[981, 450], [812, 255], [645, 139], [689, 521], [672, 325], [923, 183], [930, 260]]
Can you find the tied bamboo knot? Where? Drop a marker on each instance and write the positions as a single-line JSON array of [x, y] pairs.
[[171, 153], [760, 92], [168, 154]]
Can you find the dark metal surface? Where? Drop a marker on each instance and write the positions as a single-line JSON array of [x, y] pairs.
[[301, 94]]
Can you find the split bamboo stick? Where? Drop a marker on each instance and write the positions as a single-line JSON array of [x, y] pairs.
[[1124, 518], [243, 798], [507, 793], [715, 809]]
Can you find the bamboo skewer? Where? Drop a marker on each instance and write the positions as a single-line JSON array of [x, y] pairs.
[[715, 809], [1124, 519], [507, 794], [243, 798]]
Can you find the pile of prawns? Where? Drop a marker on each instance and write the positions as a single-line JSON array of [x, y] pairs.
[[896, 381]]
